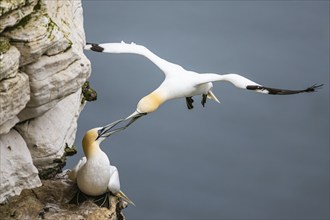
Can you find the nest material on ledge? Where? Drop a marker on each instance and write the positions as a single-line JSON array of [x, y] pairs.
[[50, 201]]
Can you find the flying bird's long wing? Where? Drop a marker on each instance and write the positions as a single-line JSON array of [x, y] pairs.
[[173, 69], [132, 48], [244, 83]]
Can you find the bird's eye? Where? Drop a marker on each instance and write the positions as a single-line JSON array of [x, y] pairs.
[[99, 132]]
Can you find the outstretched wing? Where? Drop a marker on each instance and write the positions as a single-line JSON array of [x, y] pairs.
[[172, 69], [167, 67], [244, 83]]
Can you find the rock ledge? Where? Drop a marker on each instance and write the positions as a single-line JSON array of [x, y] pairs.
[[50, 201]]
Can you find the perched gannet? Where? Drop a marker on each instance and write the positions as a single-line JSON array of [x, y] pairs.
[[94, 174], [181, 83]]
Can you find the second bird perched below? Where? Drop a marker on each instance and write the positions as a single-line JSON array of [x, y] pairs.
[[94, 174], [181, 83]]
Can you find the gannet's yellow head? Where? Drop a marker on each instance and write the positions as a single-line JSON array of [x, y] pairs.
[[150, 103], [93, 138], [147, 104], [90, 143]]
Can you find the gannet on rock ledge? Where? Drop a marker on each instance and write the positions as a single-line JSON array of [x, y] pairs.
[[181, 83], [94, 174]]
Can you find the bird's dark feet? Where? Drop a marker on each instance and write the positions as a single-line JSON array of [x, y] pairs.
[[189, 102], [204, 98], [101, 200]]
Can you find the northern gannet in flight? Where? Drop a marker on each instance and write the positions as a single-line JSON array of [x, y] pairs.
[[181, 83], [94, 174]]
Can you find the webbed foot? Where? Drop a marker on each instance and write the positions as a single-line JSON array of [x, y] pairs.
[[189, 102]]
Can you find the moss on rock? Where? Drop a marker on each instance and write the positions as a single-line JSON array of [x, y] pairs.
[[49, 173], [4, 45], [89, 94]]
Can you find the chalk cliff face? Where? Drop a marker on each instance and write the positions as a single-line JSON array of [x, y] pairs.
[[42, 70]]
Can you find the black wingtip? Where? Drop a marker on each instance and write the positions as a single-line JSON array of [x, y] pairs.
[[95, 47], [314, 88], [274, 91]]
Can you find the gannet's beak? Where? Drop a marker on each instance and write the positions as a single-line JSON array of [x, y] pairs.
[[106, 130], [133, 117]]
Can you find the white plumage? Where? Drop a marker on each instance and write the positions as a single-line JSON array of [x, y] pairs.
[[93, 173], [181, 83]]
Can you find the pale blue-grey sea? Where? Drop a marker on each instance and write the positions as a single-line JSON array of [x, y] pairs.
[[253, 156]]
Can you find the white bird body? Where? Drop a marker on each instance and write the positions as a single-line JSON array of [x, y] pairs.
[[93, 173], [175, 75], [93, 177], [169, 90], [181, 83]]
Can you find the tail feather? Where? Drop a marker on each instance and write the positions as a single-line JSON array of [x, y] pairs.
[[211, 95], [122, 195]]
